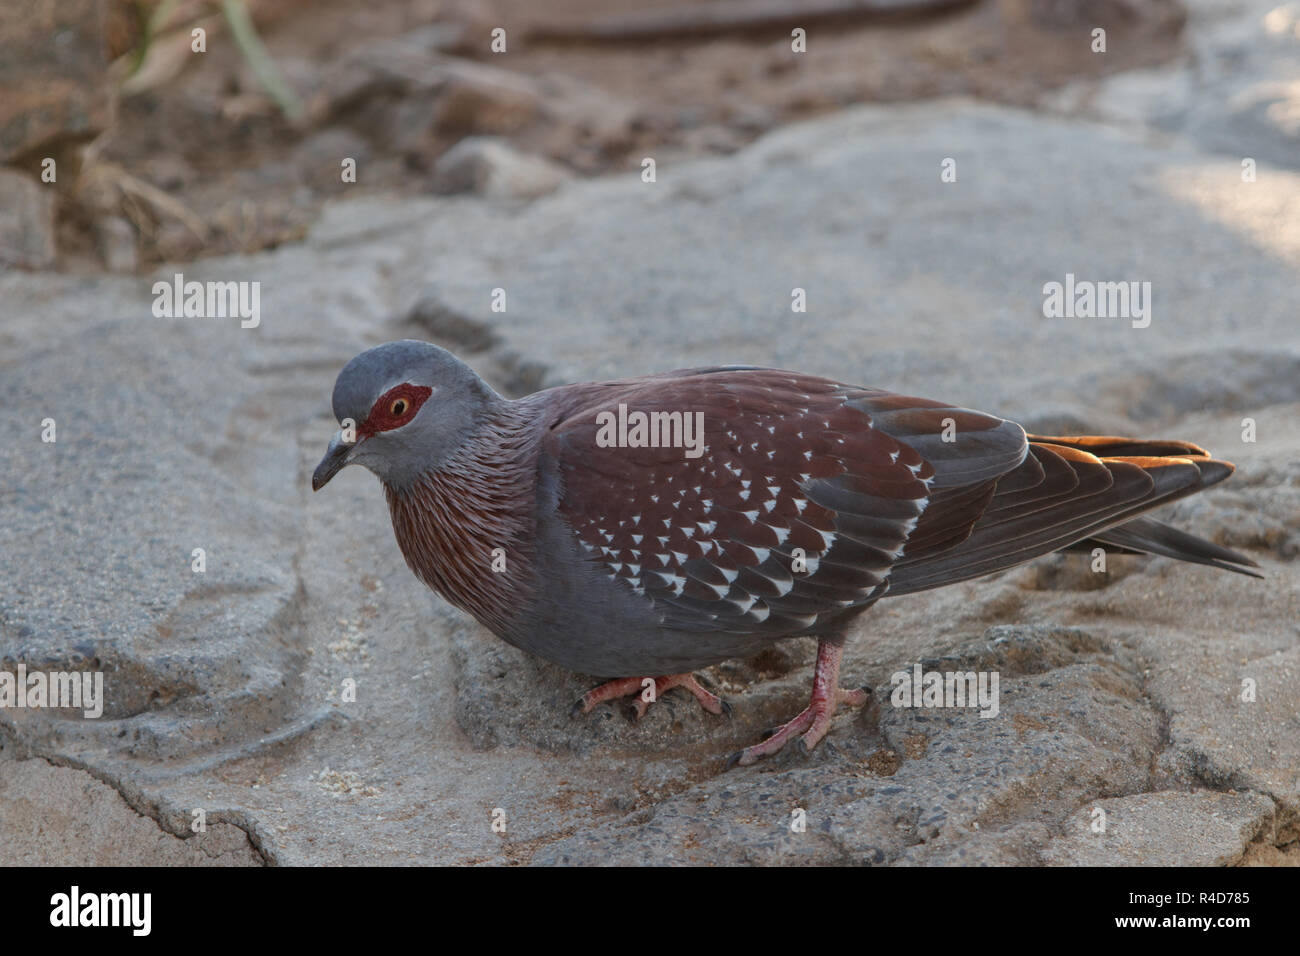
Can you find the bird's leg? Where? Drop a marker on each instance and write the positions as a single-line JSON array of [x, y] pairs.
[[815, 719], [627, 686]]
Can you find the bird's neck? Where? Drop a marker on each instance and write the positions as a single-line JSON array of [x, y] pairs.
[[466, 527]]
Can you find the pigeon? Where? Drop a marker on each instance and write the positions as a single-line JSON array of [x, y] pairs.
[[644, 528]]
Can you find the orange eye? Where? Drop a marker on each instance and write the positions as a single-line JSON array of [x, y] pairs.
[[398, 408]]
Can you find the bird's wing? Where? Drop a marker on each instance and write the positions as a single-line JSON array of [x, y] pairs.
[[788, 462]]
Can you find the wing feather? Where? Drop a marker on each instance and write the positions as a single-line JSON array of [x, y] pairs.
[[871, 490], [790, 462]]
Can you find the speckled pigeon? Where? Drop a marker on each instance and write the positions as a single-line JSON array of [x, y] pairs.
[[653, 526]]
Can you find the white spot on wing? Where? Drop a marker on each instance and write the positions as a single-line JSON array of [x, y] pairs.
[[744, 604]]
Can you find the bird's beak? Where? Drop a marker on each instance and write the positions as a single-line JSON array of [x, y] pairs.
[[337, 455]]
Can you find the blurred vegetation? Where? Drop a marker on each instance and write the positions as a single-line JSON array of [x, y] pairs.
[[149, 22]]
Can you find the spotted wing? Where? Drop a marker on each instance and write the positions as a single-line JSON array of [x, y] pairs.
[[794, 512]]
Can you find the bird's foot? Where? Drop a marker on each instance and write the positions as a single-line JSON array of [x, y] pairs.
[[627, 686], [815, 719]]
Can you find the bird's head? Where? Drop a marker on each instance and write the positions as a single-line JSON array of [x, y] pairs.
[[405, 408]]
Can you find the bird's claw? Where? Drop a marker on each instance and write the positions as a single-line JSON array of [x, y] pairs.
[[810, 725], [627, 686]]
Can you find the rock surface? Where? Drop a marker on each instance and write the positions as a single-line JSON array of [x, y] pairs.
[[228, 689], [1237, 91], [1150, 829], [490, 167], [26, 222], [54, 75], [57, 814]]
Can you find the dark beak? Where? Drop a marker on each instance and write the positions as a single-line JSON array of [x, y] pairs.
[[337, 455]]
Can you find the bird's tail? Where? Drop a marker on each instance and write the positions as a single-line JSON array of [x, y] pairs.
[[1068, 493], [1146, 535]]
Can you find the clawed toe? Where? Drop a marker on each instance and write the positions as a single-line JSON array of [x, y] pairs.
[[628, 686], [812, 723], [856, 697], [808, 727]]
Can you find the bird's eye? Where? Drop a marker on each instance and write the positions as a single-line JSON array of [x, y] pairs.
[[396, 407]]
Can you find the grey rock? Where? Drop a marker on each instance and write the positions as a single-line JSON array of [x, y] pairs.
[[1070, 724], [54, 73], [1223, 741], [490, 167], [116, 240], [1151, 829], [1237, 95], [227, 688], [475, 98], [60, 813], [319, 159], [26, 222], [406, 96]]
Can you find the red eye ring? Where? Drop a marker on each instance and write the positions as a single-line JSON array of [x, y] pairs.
[[396, 407]]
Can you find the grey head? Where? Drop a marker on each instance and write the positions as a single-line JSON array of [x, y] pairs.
[[405, 408]]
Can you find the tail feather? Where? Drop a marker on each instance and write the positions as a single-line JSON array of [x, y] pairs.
[[1066, 493], [1109, 446], [1148, 536]]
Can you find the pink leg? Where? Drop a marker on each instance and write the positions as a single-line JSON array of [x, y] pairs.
[[627, 686], [815, 719]]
